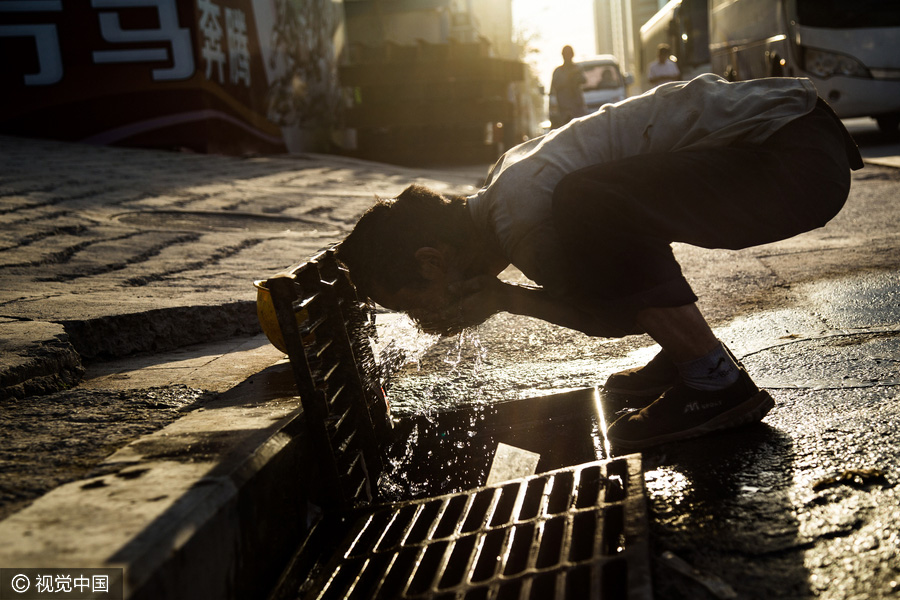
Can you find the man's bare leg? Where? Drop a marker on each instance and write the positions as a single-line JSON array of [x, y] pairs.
[[702, 361], [681, 331], [684, 336], [711, 391]]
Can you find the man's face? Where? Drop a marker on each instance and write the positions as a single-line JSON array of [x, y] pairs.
[[433, 308], [427, 304]]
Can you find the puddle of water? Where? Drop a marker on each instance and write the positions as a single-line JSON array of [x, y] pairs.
[[843, 335], [830, 361], [430, 374], [443, 452]]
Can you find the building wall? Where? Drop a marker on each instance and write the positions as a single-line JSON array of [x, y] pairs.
[[373, 22], [433, 80], [407, 22], [229, 76], [494, 20]]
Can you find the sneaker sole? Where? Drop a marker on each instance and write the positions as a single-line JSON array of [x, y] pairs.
[[749, 411]]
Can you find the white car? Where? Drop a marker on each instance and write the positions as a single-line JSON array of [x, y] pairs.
[[604, 83]]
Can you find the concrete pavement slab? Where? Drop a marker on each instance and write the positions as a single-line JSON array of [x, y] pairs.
[[50, 439]]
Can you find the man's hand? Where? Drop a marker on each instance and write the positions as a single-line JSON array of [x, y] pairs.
[[474, 300]]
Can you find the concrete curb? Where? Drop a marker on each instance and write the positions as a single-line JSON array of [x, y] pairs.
[[41, 358], [209, 507], [36, 358]]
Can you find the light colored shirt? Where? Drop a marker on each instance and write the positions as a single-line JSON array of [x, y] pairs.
[[515, 204]]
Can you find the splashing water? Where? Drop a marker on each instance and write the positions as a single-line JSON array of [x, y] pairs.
[[457, 352], [432, 372], [400, 343]]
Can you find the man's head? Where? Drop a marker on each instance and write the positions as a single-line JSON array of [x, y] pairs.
[[663, 52], [400, 247], [568, 53]]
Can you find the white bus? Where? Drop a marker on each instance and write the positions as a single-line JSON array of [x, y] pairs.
[[850, 49]]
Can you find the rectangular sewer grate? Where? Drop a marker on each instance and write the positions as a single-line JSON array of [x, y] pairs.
[[579, 532]]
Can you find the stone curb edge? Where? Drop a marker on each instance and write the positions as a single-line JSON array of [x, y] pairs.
[[41, 357]]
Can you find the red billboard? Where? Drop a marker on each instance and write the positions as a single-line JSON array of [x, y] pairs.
[[185, 74]]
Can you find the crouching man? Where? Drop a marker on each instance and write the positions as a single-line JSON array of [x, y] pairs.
[[589, 213]]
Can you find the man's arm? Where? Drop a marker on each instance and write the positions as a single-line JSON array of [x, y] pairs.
[[481, 297]]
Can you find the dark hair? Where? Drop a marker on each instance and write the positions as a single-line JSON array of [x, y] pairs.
[[381, 248]]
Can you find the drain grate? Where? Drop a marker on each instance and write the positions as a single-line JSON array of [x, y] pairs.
[[345, 415], [578, 532]]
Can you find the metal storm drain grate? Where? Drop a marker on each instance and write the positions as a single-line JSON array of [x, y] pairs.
[[578, 532]]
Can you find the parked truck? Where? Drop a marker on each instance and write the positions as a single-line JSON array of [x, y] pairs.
[[850, 49]]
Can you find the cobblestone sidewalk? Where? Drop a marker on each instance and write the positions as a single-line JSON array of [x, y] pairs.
[[108, 251]]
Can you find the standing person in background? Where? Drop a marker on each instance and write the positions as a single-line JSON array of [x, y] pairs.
[[565, 89], [664, 69]]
